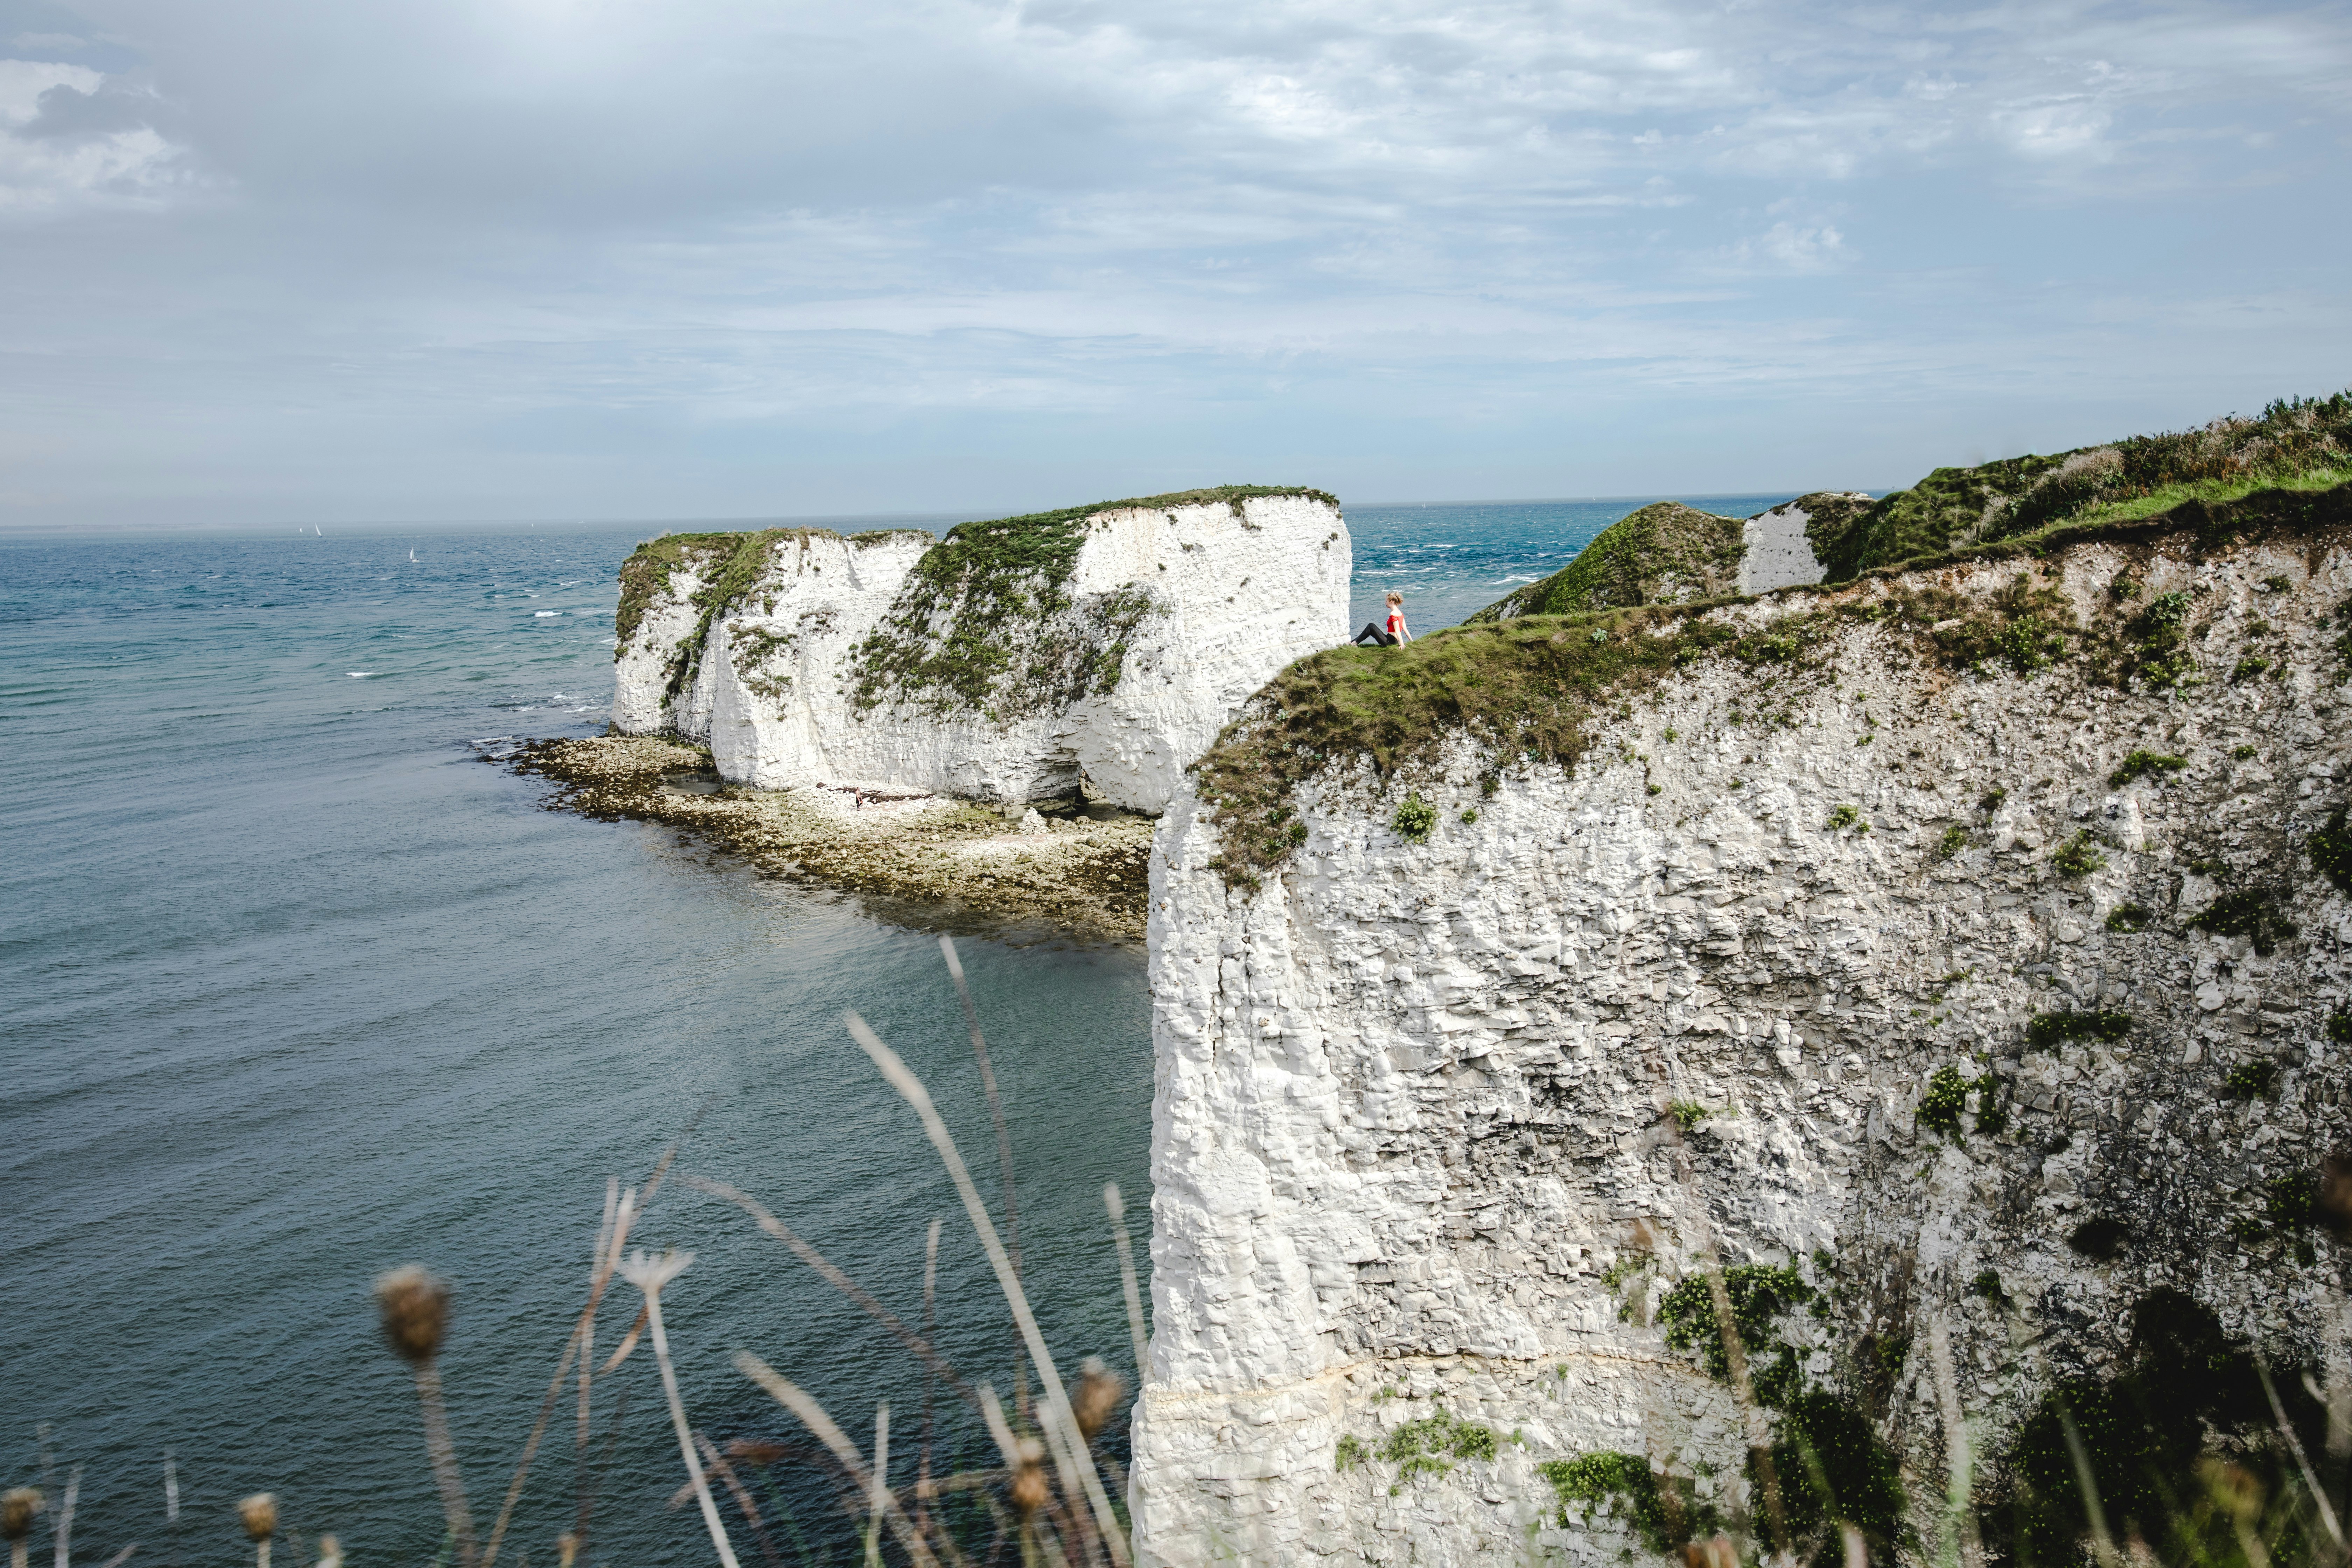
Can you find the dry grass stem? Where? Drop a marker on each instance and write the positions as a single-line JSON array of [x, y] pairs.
[[1127, 1281], [330, 1552], [1076, 1463], [832, 1276], [716, 1464], [64, 1532], [1958, 1462], [2102, 1542], [811, 1415], [649, 1275], [415, 1309], [120, 1557], [881, 1487], [2303, 1462]]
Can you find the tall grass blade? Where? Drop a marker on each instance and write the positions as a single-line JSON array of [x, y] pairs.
[[717, 1462], [649, 1275], [63, 1529], [2103, 1543], [1959, 1526], [831, 1274], [811, 1415], [2303, 1461], [1127, 1282], [881, 1487], [1074, 1462]]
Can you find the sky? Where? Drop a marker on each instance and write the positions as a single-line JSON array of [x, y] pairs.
[[265, 261]]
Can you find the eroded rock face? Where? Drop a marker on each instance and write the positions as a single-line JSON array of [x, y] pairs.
[[1111, 643], [1442, 1126], [1779, 544]]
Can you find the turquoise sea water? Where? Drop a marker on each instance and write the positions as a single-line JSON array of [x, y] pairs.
[[300, 989]]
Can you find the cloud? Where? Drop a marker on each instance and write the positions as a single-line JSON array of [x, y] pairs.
[[312, 232]]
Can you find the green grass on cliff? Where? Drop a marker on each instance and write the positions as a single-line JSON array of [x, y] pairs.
[[2293, 443], [963, 634], [1537, 687], [1665, 553]]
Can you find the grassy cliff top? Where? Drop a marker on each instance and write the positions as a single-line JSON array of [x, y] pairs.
[[1044, 540], [1662, 554], [1535, 688], [2293, 440]]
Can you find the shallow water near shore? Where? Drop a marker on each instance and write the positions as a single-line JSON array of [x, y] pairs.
[[300, 989]]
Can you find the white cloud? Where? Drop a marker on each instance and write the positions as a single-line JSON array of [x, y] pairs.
[[48, 164]]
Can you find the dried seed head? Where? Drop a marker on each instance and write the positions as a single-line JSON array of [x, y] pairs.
[[415, 1312], [1097, 1399], [330, 1552], [1029, 1491], [567, 1547], [260, 1515], [16, 1512], [753, 1451]]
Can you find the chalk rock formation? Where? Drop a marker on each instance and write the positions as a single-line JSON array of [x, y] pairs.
[[1966, 984], [1001, 663], [1778, 545]]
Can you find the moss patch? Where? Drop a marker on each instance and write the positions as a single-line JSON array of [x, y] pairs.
[[1662, 1509], [985, 623]]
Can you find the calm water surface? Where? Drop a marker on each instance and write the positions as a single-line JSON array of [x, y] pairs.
[[300, 989]]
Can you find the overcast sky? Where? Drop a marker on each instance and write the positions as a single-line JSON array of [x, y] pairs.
[[263, 260]]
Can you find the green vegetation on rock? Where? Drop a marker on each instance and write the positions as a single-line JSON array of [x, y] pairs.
[[985, 624], [2297, 441], [1660, 1508], [1534, 690], [1665, 554]]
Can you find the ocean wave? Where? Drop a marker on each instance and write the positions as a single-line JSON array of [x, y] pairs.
[[359, 674], [542, 615]]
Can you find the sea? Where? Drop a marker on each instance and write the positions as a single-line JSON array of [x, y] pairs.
[[302, 985]]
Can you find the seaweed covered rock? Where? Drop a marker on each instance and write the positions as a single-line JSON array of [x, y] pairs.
[[1014, 659]]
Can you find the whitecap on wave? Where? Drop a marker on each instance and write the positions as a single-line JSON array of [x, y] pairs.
[[542, 615], [359, 674]]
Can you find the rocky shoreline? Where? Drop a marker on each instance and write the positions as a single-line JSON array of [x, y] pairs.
[[966, 865]]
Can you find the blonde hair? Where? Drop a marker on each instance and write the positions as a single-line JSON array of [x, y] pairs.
[[1395, 598]]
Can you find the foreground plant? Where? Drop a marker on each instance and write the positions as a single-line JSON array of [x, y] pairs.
[[415, 1308]]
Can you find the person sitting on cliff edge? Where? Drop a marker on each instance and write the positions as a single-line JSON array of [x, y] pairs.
[[1397, 632]]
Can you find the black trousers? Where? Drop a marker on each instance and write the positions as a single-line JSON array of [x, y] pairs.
[[1373, 634]]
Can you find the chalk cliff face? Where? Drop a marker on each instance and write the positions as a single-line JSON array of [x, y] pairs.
[[1971, 978], [1000, 663]]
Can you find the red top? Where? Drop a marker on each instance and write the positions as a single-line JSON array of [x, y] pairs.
[[1396, 623]]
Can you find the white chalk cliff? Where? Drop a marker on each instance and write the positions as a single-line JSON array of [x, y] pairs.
[[1002, 664], [1442, 1125]]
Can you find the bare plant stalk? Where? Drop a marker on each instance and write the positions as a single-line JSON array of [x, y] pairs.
[[120, 1557], [725, 1472], [444, 1454], [930, 1378], [811, 1415], [1004, 1139], [1128, 1283], [2103, 1543], [2295, 1447], [1076, 1465], [1958, 1462], [881, 1487], [921, 1344], [63, 1532], [649, 1275]]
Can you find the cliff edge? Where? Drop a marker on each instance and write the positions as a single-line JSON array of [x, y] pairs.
[[1007, 662], [1944, 981]]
